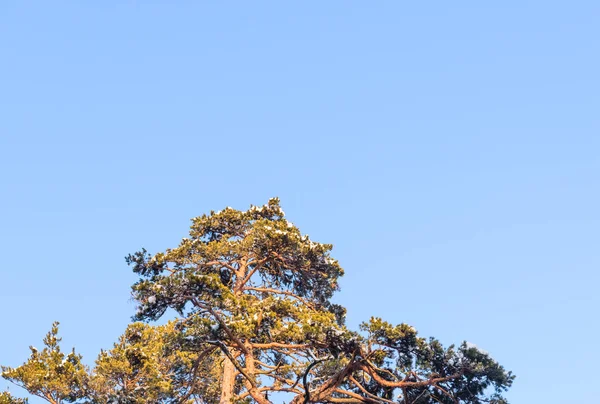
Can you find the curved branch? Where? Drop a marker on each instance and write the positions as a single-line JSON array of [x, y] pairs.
[[365, 392], [305, 380], [371, 370], [234, 361], [362, 399]]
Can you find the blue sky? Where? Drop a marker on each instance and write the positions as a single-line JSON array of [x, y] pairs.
[[448, 150]]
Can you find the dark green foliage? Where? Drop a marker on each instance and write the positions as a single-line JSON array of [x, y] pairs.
[[426, 372]]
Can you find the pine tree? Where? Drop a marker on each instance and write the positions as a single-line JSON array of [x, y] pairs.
[[254, 319], [49, 373], [249, 285]]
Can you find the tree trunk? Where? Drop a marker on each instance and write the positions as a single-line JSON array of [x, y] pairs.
[[228, 382]]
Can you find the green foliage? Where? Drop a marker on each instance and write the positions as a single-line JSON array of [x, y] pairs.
[[6, 398], [141, 367], [255, 319], [425, 371], [49, 373], [248, 283]]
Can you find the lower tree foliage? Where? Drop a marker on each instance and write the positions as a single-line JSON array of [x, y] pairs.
[[49, 373], [6, 398], [254, 322]]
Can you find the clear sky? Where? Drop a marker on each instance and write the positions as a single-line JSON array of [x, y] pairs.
[[449, 150]]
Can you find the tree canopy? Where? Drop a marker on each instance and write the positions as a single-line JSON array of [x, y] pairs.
[[254, 320]]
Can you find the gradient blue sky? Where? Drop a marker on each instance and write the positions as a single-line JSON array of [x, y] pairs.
[[449, 150]]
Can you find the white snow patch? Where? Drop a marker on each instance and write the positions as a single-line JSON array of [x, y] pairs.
[[472, 345]]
